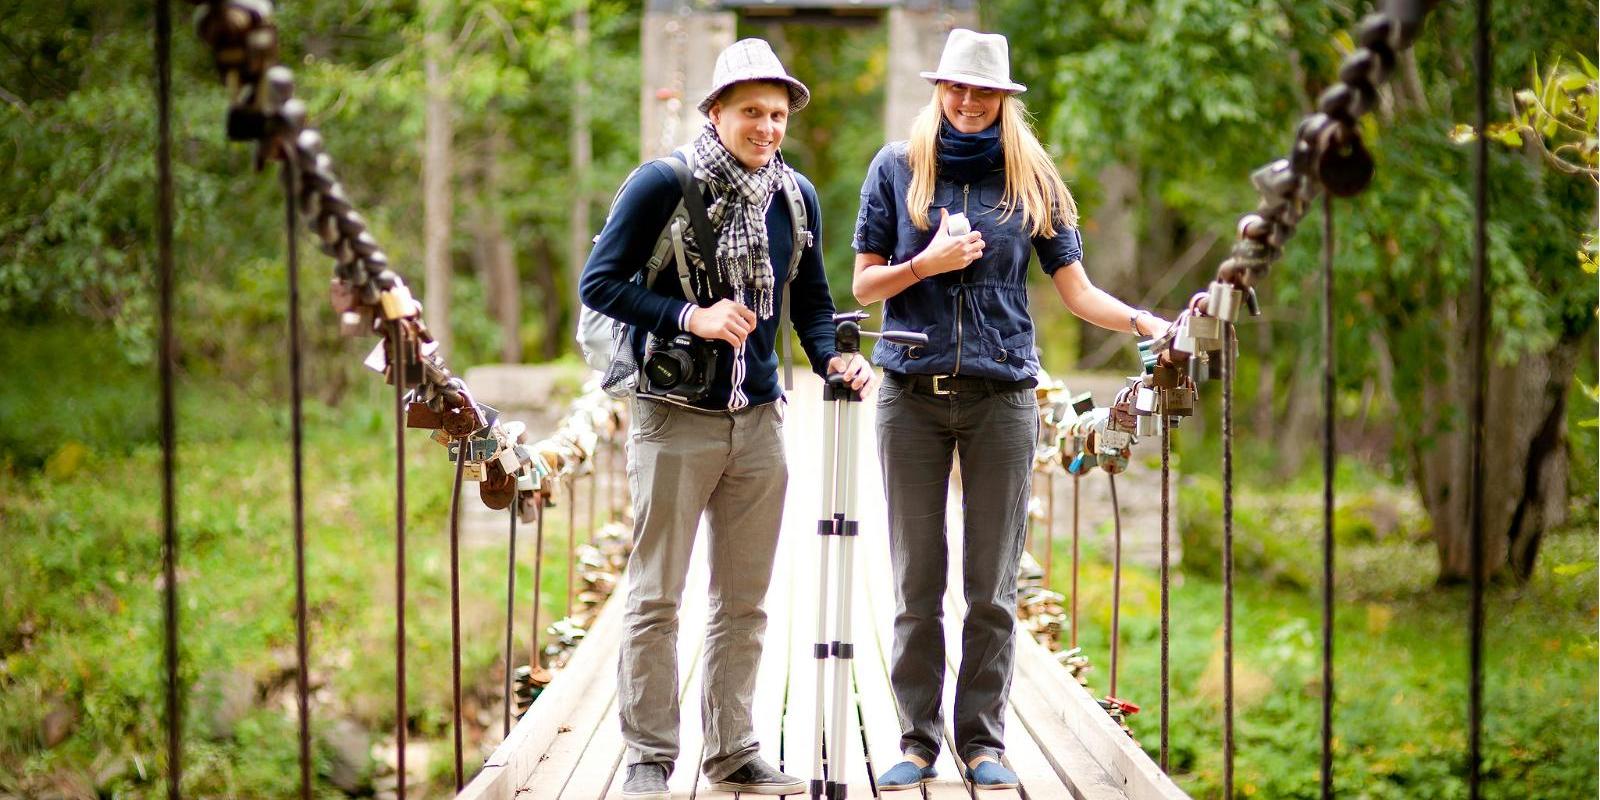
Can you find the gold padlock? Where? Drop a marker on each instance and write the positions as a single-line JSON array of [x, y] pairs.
[[398, 303]]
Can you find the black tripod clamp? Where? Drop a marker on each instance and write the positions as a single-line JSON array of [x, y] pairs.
[[847, 335]]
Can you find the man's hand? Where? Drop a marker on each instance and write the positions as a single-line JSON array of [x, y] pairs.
[[729, 321], [948, 253], [857, 371]]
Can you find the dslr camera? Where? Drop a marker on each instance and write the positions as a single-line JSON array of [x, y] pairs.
[[679, 368]]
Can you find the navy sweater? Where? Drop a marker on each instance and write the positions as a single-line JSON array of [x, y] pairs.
[[625, 244]]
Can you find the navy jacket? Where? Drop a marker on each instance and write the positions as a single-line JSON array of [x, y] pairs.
[[976, 318], [624, 246]]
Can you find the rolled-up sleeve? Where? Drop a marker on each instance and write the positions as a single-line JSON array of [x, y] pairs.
[[1059, 250], [875, 222]]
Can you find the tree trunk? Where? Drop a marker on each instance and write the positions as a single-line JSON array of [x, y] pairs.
[[1116, 246], [436, 180], [497, 259], [1525, 461], [555, 322], [578, 233]]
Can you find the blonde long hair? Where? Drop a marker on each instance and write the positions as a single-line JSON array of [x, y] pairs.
[[1032, 181]]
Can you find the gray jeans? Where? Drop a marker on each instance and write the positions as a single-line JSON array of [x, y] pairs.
[[993, 434], [729, 466]]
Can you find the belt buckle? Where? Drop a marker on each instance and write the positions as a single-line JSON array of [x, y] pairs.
[[937, 388]]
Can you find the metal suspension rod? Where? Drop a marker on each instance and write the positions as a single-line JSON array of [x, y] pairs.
[[1049, 523], [594, 491], [1075, 497], [397, 341], [538, 581], [1166, 567], [511, 615], [291, 191], [1227, 560], [572, 538], [455, 609], [1116, 581], [167, 356], [1483, 63], [1329, 462]]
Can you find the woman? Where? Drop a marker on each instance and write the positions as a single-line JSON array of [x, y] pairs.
[[969, 392]]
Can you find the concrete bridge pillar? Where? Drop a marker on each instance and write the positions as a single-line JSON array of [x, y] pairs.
[[680, 41], [917, 30]]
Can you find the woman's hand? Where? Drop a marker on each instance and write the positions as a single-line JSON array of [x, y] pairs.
[[947, 253]]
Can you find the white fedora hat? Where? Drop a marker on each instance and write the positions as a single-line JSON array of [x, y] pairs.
[[976, 59], [752, 60]]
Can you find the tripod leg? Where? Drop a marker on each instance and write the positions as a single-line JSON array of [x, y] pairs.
[[825, 530], [844, 649]]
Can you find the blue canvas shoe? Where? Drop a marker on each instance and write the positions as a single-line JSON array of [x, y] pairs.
[[905, 775], [993, 775]]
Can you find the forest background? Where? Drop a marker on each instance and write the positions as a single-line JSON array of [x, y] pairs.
[[1156, 113]]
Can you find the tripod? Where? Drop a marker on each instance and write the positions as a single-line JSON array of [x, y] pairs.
[[840, 418]]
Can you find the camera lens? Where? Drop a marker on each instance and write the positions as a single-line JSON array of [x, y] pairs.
[[668, 368]]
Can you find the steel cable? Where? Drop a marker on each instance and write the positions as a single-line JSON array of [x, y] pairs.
[[1480, 335], [168, 367], [1329, 463], [297, 436]]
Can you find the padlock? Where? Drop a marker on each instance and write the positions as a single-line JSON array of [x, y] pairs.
[[1144, 401], [464, 419], [472, 471], [355, 323], [1206, 331], [419, 415], [342, 295], [1183, 341], [497, 489], [397, 302], [1148, 426], [1164, 376], [1083, 403], [1224, 301], [508, 461], [1113, 441]]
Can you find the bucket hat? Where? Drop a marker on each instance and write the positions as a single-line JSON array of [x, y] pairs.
[[752, 60], [976, 59]]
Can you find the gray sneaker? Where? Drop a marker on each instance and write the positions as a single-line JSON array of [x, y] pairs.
[[646, 781], [758, 777]]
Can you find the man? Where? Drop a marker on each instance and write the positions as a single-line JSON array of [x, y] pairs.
[[718, 451]]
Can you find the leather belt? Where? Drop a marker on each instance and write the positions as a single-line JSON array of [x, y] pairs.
[[957, 384]]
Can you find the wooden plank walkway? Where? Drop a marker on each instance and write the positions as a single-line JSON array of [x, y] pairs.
[[569, 746]]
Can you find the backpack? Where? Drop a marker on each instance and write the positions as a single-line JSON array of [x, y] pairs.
[[606, 343]]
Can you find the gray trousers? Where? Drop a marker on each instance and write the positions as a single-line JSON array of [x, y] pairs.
[[993, 434], [730, 466]]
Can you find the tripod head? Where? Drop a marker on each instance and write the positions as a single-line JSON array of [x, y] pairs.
[[847, 333]]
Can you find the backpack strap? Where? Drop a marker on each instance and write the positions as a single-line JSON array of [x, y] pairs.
[[801, 228], [707, 283]]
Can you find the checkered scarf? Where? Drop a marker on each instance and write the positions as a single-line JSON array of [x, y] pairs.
[[739, 215]]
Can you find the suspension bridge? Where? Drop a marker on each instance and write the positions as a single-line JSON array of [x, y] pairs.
[[1060, 738]]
